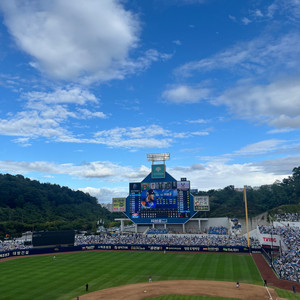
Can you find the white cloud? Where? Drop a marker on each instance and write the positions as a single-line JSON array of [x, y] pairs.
[[200, 132], [280, 166], [31, 124], [105, 195], [195, 167], [177, 42], [232, 18], [288, 10], [24, 142], [260, 147], [84, 113], [134, 132], [219, 174], [271, 10], [73, 95], [48, 114], [274, 101], [45, 115], [88, 40], [199, 121], [246, 21], [220, 171], [261, 150], [261, 55], [96, 169], [277, 104], [258, 13], [67, 38], [185, 94], [291, 8], [152, 136], [285, 122]]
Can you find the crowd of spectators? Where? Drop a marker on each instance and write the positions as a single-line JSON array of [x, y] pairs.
[[148, 239], [217, 230], [139, 239], [267, 229], [287, 265], [12, 245], [287, 217], [158, 231], [187, 231]]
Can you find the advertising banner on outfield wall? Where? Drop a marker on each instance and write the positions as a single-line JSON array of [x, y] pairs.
[[118, 247]]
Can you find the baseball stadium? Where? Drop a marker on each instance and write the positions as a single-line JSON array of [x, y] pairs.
[[166, 253]]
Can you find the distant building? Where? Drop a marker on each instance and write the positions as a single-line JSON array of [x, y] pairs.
[[108, 206], [254, 188]]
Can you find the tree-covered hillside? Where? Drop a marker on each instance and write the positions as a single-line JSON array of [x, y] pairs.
[[30, 205], [228, 202]]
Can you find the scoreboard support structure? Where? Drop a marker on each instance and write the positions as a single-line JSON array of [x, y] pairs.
[[198, 224], [122, 223]]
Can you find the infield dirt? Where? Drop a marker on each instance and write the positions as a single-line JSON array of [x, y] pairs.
[[183, 287]]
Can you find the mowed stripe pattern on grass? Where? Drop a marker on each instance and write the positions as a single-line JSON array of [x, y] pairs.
[[43, 277]]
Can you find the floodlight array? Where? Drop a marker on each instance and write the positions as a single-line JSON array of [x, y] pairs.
[[158, 157]]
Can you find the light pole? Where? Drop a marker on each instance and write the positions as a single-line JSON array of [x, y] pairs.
[[246, 213]]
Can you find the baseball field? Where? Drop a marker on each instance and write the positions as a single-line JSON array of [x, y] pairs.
[[66, 276]]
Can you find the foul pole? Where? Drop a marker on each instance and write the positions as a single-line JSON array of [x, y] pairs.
[[246, 211]]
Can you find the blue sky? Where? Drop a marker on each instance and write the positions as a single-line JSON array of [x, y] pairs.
[[88, 88]]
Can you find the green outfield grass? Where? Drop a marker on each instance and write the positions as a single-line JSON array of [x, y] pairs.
[[42, 277], [287, 294]]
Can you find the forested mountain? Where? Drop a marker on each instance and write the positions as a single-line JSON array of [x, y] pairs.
[[30, 205], [228, 202]]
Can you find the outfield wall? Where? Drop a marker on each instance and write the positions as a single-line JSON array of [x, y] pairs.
[[122, 247]]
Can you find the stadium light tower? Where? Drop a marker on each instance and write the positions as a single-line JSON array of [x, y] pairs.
[[158, 157]]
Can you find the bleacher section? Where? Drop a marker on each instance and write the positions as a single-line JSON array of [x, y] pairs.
[[158, 231], [217, 230]]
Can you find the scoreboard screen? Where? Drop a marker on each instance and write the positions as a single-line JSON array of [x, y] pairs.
[[161, 199], [53, 238]]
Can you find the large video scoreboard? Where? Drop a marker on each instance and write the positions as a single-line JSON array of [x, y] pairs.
[[53, 238], [160, 200]]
